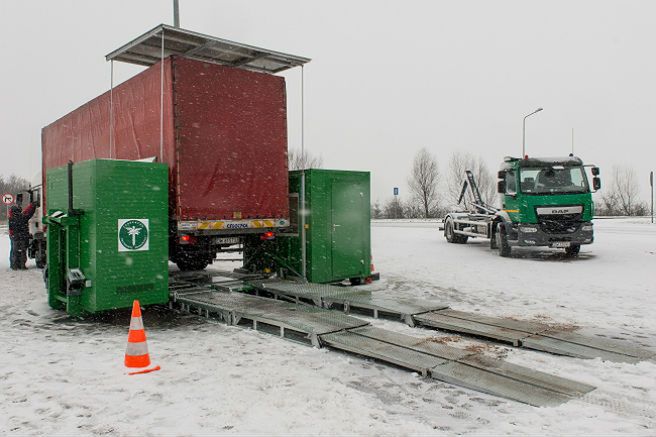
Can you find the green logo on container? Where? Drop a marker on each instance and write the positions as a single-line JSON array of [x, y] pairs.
[[132, 235]]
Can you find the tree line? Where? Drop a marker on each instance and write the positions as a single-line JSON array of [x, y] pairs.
[[433, 192]]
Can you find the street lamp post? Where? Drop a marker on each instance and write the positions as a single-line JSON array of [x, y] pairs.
[[524, 131]]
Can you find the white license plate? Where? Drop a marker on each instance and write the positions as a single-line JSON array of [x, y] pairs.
[[226, 240], [561, 244]]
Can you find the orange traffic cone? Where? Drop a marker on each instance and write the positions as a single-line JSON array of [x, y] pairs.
[[136, 354]]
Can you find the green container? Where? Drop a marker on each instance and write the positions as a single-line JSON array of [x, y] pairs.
[[117, 235], [337, 226]]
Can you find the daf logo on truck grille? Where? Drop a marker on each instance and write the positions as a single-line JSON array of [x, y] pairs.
[[132, 235], [560, 210]]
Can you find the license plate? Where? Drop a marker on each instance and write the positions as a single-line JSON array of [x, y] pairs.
[[226, 240], [561, 244]]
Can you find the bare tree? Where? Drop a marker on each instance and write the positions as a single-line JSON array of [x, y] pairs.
[[424, 181], [301, 160], [393, 209], [458, 164], [376, 211], [622, 196]]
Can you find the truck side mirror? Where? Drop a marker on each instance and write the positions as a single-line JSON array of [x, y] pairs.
[[501, 187], [595, 171], [501, 174], [19, 199], [596, 183]]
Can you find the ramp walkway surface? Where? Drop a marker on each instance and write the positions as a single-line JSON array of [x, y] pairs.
[[530, 335], [325, 328]]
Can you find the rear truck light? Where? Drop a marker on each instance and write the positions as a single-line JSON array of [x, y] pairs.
[[586, 228], [527, 229], [187, 239], [268, 235]]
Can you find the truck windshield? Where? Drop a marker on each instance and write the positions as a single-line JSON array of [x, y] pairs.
[[553, 180]]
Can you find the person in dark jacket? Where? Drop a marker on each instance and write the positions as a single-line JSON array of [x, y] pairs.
[[19, 233]]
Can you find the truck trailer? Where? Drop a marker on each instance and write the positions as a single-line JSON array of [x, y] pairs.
[[222, 130], [545, 202]]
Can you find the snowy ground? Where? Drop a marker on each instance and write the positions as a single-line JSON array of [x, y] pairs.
[[62, 376]]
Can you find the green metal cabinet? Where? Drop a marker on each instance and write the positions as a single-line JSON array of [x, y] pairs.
[[116, 235], [337, 225]]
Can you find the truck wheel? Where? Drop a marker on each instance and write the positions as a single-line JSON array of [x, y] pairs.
[[502, 241], [451, 236], [355, 281], [573, 250], [493, 240], [40, 263], [448, 231], [188, 265]]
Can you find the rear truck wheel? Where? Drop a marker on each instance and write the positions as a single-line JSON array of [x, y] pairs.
[[448, 231], [493, 239], [355, 281], [188, 265], [40, 255], [502, 241], [573, 250], [450, 234], [40, 263], [189, 259]]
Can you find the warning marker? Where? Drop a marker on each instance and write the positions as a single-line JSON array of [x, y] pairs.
[[136, 354]]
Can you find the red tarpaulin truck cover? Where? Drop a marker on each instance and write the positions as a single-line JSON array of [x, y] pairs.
[[224, 137]]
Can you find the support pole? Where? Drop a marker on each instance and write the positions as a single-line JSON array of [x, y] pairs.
[[651, 182], [111, 108], [161, 103], [303, 212], [176, 14]]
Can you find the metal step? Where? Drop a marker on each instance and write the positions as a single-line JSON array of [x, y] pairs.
[[520, 333], [322, 327]]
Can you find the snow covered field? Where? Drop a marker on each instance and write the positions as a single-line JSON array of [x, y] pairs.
[[62, 376]]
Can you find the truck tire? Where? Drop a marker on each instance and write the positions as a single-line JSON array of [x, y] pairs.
[[573, 250], [40, 262], [502, 241], [494, 245], [355, 281], [188, 265], [451, 236]]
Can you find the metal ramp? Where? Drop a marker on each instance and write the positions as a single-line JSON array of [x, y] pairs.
[[321, 327], [458, 366], [530, 335], [349, 299]]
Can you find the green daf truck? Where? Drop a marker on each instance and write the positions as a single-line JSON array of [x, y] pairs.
[[545, 202]]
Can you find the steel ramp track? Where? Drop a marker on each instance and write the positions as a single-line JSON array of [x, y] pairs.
[[519, 333], [322, 327], [537, 336], [349, 299], [299, 322], [458, 367]]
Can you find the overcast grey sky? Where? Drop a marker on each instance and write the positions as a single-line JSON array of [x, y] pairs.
[[387, 77]]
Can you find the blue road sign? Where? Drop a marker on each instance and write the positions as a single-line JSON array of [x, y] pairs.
[[396, 191]]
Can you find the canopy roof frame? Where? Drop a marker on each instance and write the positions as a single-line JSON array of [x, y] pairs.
[[146, 50]]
